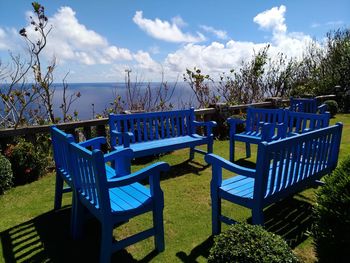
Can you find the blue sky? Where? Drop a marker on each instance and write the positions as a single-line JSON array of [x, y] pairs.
[[97, 40]]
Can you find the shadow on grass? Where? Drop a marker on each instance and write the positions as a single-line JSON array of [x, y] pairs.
[[290, 218], [46, 238], [186, 167]]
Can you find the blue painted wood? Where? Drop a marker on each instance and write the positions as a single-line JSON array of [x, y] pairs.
[[283, 123], [284, 167], [306, 105], [116, 200], [159, 132], [255, 130], [60, 141], [299, 122]]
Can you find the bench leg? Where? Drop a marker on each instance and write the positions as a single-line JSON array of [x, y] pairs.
[[215, 215], [106, 242], [191, 153], [58, 192], [247, 149], [232, 150], [158, 226], [257, 216], [77, 217]]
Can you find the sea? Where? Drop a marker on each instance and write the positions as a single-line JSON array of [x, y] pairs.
[[96, 97]]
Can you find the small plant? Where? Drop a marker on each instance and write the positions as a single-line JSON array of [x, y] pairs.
[[332, 107], [6, 175], [331, 230], [249, 243], [27, 164]]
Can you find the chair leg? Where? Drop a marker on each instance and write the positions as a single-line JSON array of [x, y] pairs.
[[106, 242], [159, 227], [210, 146], [257, 216], [58, 192], [215, 215], [232, 150], [191, 153], [247, 149]]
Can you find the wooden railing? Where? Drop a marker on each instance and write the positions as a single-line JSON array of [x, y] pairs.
[[99, 125]]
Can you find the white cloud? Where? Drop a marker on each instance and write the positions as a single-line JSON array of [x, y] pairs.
[[221, 34], [70, 40], [218, 57], [164, 30], [272, 19], [145, 61], [3, 37]]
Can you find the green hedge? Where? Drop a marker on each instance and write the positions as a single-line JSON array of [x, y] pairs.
[[27, 164], [6, 175], [331, 230], [249, 243]]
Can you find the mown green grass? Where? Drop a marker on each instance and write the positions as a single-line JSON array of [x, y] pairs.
[[31, 232]]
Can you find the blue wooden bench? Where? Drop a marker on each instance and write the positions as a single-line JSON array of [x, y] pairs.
[[284, 167], [306, 105], [255, 130], [159, 132], [115, 200], [282, 123]]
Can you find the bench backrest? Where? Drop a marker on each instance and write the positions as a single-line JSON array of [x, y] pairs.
[[60, 142], [303, 105], [296, 160], [153, 125], [257, 115], [298, 122], [90, 176]]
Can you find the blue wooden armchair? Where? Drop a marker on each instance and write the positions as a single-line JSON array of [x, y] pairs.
[[306, 105], [60, 141], [115, 200], [255, 130]]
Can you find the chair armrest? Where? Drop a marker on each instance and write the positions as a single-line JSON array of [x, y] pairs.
[[150, 171], [322, 108], [208, 124], [114, 155], [95, 143], [216, 160], [233, 122], [125, 137], [114, 135]]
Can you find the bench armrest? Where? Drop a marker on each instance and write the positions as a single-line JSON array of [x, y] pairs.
[[233, 122], [95, 143], [217, 161], [150, 171], [208, 124]]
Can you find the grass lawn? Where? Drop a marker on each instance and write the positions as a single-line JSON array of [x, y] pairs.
[[31, 232]]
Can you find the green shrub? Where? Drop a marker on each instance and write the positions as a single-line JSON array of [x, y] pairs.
[[6, 175], [331, 230], [249, 243], [27, 164], [332, 107]]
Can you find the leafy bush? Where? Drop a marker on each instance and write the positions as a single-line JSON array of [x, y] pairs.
[[332, 107], [27, 164], [331, 230], [249, 243], [5, 174]]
